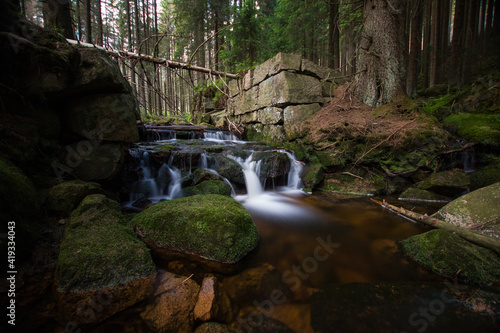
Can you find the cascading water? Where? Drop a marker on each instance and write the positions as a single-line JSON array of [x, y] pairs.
[[162, 181]]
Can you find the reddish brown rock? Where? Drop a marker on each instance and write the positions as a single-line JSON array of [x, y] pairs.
[[213, 303], [172, 307]]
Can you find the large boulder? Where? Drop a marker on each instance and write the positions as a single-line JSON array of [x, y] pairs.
[[102, 267], [66, 196], [109, 117], [415, 194], [448, 183], [280, 62], [213, 230], [172, 307], [97, 73], [447, 254], [228, 168], [208, 187], [95, 162], [475, 208], [273, 164]]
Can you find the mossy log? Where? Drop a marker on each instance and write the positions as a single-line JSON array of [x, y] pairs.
[[468, 234]]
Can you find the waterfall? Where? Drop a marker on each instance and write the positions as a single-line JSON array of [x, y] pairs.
[[251, 171], [219, 136], [294, 180]]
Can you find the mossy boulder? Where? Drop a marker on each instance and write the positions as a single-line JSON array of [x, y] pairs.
[[312, 175], [229, 169], [447, 254], [475, 208], [415, 194], [214, 230], [208, 187], [66, 196], [100, 260], [19, 203], [480, 128], [273, 164], [448, 183], [198, 176]]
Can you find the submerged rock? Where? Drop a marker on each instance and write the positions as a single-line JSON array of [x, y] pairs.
[[404, 306], [229, 169], [212, 328], [102, 267], [273, 164], [448, 183], [213, 303], [66, 196], [199, 176], [448, 254], [172, 307], [475, 208], [213, 230]]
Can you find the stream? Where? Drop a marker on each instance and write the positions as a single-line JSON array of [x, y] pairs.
[[317, 241]]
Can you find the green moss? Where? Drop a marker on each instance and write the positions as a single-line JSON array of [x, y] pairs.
[[208, 187], [97, 251], [214, 227], [415, 194], [312, 175], [447, 254], [347, 184], [65, 197], [481, 128], [449, 183]]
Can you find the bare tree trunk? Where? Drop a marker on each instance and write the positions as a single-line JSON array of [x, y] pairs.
[[435, 43], [444, 41], [99, 24], [88, 21], [427, 42], [415, 47], [382, 53], [57, 14], [457, 44], [333, 35]]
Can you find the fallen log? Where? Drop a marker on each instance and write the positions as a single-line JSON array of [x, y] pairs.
[[160, 61], [468, 234]]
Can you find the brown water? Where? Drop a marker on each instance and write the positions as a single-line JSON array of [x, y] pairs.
[[364, 236]]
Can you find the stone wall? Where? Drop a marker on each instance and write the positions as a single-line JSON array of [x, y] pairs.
[[277, 96]]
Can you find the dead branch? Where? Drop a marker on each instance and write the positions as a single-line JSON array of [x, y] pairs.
[[470, 235]]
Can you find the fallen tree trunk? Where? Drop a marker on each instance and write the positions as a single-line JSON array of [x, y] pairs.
[[468, 234], [159, 61]]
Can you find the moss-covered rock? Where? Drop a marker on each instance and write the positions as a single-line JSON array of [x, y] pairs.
[[198, 176], [415, 194], [481, 128], [229, 169], [19, 203], [448, 183], [66, 196], [448, 254], [102, 260], [347, 184], [273, 164], [312, 175], [208, 187], [475, 208], [214, 230]]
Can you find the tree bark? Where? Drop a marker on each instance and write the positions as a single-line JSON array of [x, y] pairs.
[[427, 41], [415, 47], [57, 14], [100, 31], [435, 43], [382, 53], [457, 44], [88, 21], [333, 35]]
